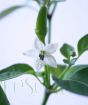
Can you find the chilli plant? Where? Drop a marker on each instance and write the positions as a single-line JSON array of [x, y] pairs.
[[54, 77]]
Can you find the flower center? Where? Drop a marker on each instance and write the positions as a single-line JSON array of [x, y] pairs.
[[41, 55]]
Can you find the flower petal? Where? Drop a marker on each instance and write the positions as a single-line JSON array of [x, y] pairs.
[[51, 48], [50, 60], [32, 53], [38, 44], [39, 64]]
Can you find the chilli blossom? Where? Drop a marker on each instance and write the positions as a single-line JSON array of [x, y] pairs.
[[42, 54]]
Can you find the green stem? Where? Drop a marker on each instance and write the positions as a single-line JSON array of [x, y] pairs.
[[47, 78], [46, 96], [62, 74]]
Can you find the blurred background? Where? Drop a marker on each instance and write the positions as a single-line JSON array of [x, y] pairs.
[[17, 35]]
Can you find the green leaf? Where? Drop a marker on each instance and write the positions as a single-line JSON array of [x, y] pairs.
[[57, 71], [41, 24], [3, 98], [73, 86], [15, 71], [81, 76], [75, 80], [73, 70], [67, 51], [9, 11], [83, 44]]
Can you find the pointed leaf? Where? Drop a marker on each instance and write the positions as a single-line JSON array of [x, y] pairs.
[[41, 24], [75, 80], [81, 76], [3, 98], [73, 86], [15, 71], [83, 44], [9, 11], [75, 69]]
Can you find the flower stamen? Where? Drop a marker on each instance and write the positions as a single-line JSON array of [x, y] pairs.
[[41, 55]]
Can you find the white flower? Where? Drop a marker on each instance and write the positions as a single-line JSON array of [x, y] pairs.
[[42, 54]]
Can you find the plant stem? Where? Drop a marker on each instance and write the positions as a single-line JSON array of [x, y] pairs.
[[48, 93], [49, 34], [47, 78], [50, 23], [46, 96], [62, 74]]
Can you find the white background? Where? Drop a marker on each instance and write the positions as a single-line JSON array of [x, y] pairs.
[[17, 34]]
